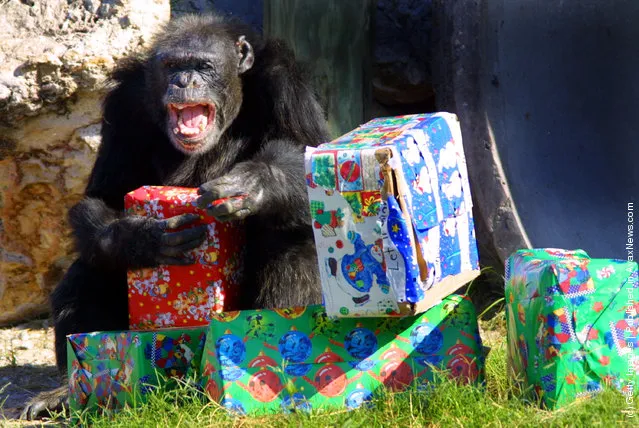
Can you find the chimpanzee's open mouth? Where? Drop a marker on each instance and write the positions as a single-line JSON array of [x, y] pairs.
[[191, 122]]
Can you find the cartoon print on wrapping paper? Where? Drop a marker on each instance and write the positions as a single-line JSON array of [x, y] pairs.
[[450, 178], [326, 221], [574, 280], [428, 339], [151, 282], [106, 388], [324, 325], [173, 355], [156, 320], [349, 171], [215, 292], [259, 326], [623, 337], [548, 383], [296, 402], [136, 209], [360, 343], [290, 313], [209, 251], [450, 261], [125, 371], [398, 232], [592, 387], [295, 347], [460, 317], [329, 380], [178, 196], [113, 347], [80, 383], [362, 269], [363, 204], [555, 330], [420, 183], [522, 347], [230, 351], [197, 303], [323, 170], [153, 208], [395, 373], [359, 397], [354, 201]]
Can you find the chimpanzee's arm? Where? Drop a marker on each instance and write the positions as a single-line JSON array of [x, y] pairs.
[[105, 237], [269, 185]]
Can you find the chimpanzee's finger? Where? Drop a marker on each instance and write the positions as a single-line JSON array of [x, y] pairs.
[[183, 236], [237, 215], [178, 261], [227, 207], [178, 221], [179, 250], [216, 192]]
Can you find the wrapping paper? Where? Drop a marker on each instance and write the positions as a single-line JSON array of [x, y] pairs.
[[392, 216], [109, 369], [572, 323], [270, 361], [181, 296]]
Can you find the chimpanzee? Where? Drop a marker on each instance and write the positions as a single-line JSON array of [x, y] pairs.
[[211, 106]]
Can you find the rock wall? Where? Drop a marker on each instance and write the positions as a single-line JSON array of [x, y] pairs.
[[54, 58]]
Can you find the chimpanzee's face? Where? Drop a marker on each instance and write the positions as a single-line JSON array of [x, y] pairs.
[[201, 89]]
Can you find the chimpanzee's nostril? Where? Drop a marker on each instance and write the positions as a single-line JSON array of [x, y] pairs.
[[183, 80]]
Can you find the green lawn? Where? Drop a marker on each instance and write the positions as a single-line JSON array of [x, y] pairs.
[[500, 403]]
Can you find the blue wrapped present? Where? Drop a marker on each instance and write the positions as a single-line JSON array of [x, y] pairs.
[[392, 216]]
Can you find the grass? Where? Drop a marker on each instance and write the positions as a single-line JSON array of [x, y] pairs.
[[499, 403]]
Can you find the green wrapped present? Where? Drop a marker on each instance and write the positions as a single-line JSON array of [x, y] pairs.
[[109, 369], [269, 361], [572, 323]]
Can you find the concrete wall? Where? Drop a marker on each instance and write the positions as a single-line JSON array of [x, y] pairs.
[[548, 97], [561, 93]]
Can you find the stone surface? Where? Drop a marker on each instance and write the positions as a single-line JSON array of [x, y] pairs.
[[54, 58]]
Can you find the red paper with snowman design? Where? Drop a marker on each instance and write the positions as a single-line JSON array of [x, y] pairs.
[[179, 296]]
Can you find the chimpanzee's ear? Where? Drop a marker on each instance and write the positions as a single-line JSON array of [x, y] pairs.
[[244, 54]]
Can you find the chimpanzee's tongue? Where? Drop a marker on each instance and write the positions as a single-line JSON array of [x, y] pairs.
[[193, 119]]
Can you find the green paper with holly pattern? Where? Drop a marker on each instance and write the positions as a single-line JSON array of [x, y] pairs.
[[572, 323], [108, 369], [270, 361]]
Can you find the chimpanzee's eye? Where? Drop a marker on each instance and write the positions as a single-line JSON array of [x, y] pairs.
[[204, 65]]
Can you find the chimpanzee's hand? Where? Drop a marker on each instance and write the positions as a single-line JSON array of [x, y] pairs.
[[242, 189], [173, 245], [148, 242]]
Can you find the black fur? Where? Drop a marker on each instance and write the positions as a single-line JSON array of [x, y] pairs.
[[258, 154]]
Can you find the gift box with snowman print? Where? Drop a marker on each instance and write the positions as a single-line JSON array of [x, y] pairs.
[[392, 216]]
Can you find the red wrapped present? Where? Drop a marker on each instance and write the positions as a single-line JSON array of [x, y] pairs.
[[179, 296]]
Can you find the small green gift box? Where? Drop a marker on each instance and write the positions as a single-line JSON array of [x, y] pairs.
[[109, 369], [572, 323]]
